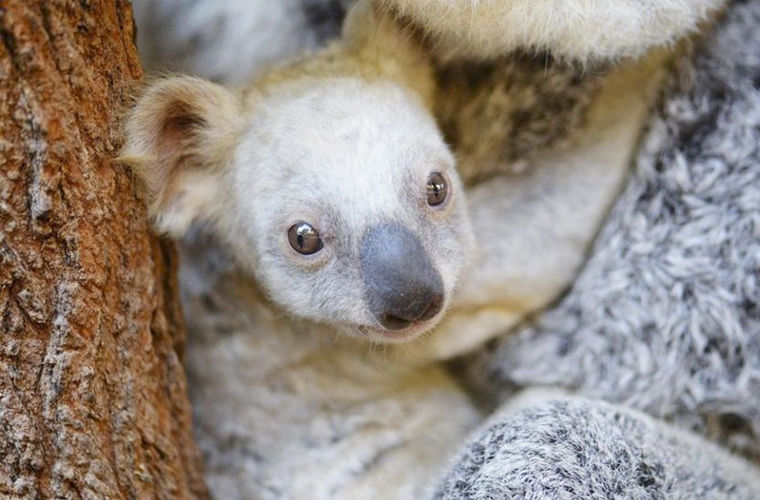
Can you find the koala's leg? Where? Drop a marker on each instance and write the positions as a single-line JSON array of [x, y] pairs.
[[563, 447]]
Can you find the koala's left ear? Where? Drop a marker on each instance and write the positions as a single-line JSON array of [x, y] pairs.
[[179, 138]]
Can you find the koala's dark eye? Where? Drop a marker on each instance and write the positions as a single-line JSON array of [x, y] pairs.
[[304, 238], [437, 189]]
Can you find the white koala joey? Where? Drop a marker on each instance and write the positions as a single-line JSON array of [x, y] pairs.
[[329, 183], [317, 327]]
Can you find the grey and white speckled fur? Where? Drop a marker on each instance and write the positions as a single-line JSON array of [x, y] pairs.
[[571, 447], [663, 318]]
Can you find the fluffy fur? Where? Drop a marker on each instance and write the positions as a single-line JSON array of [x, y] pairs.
[[178, 145], [670, 293], [563, 448], [230, 41], [664, 316], [573, 30], [276, 384], [499, 116]]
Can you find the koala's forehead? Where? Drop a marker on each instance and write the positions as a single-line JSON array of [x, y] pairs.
[[346, 146], [320, 116]]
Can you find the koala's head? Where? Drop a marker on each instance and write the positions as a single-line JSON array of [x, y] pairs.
[[338, 195]]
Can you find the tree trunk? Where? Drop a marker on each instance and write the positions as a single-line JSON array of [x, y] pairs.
[[92, 388]]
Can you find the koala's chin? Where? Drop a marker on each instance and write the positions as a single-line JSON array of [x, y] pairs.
[[408, 334], [398, 334]]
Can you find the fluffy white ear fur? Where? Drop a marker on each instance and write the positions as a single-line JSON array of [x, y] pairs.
[[578, 30], [179, 137]]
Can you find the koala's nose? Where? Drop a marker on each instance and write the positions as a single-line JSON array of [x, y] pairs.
[[400, 282]]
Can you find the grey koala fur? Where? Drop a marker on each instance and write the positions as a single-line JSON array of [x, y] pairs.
[[569, 448], [196, 37], [663, 318]]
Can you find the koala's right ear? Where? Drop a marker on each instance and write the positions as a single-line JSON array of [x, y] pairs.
[[179, 137]]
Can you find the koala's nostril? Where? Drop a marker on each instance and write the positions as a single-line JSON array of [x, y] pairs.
[[434, 308], [392, 322], [417, 304]]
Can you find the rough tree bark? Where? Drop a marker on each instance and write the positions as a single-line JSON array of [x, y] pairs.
[[92, 389]]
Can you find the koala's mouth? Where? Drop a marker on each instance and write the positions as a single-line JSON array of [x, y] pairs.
[[409, 331]]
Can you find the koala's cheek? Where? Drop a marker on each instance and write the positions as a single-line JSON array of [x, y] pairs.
[[326, 294], [453, 257]]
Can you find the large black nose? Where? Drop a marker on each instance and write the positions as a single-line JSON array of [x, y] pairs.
[[400, 282]]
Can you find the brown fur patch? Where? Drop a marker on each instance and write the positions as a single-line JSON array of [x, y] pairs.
[[497, 115]]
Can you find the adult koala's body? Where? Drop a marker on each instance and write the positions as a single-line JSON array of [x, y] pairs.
[[658, 341]]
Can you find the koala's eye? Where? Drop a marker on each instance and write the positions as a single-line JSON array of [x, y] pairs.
[[437, 189], [304, 238]]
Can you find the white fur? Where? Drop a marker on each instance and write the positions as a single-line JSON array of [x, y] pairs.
[[286, 409], [345, 148], [580, 30]]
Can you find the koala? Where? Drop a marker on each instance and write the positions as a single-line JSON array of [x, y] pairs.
[[329, 184], [342, 258]]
